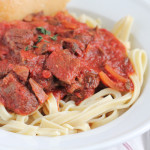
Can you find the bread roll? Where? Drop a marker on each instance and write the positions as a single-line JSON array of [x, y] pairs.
[[18, 9]]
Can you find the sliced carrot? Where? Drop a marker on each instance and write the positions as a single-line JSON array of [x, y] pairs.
[[115, 74], [59, 94], [110, 83], [69, 25]]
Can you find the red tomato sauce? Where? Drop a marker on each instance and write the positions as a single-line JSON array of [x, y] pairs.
[[43, 54]]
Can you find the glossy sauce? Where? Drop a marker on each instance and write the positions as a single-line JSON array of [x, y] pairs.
[[61, 55]]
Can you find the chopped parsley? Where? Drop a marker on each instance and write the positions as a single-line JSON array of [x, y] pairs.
[[43, 30], [46, 41], [39, 38], [54, 38], [48, 32], [27, 48], [34, 46]]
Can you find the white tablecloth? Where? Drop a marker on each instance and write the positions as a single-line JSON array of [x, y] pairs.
[[139, 143]]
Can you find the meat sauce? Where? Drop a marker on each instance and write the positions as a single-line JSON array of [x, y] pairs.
[[58, 54]]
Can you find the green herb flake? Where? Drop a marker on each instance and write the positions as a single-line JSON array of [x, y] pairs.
[[43, 30], [54, 38], [39, 38], [47, 32], [46, 41], [27, 48], [34, 46]]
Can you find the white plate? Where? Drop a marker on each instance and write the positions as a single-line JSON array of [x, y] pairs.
[[135, 121]]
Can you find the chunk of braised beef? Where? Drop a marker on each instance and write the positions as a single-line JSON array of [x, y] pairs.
[[39, 92], [85, 37], [65, 33], [41, 48], [17, 97], [74, 46], [79, 96], [63, 65], [73, 87], [85, 85], [22, 72], [91, 80], [46, 46], [46, 84], [88, 79], [33, 62], [18, 39], [5, 67]]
